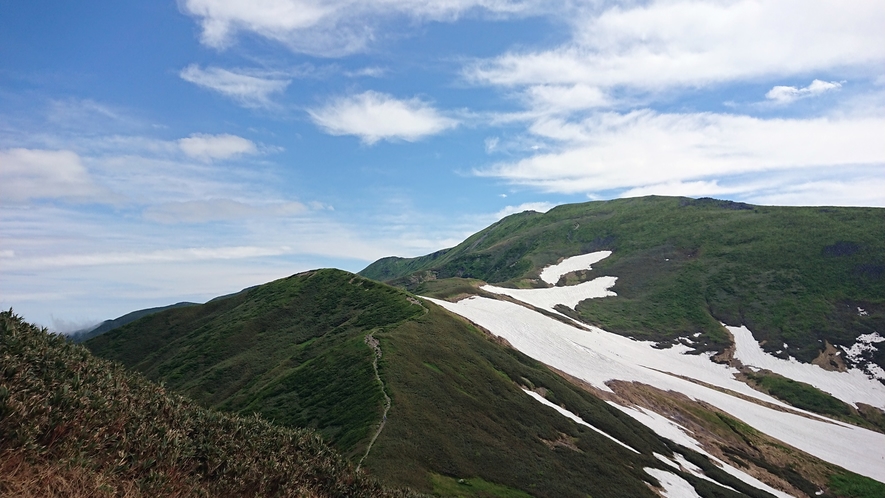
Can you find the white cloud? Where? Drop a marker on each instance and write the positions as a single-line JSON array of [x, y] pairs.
[[787, 94], [145, 257], [643, 148], [374, 116], [367, 72], [558, 98], [650, 46], [853, 191], [27, 174], [328, 27], [684, 189], [208, 147], [540, 207], [219, 210], [248, 90]]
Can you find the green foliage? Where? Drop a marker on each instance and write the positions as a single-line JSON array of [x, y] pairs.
[[801, 395], [291, 350], [808, 397], [60, 407], [458, 410], [473, 487], [793, 275], [849, 485]]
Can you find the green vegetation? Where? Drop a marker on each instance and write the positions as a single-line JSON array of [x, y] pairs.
[[294, 351], [808, 397], [801, 395], [850, 485], [74, 425], [108, 325], [793, 275], [474, 487], [291, 350]]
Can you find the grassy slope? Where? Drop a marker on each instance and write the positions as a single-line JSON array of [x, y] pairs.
[[458, 410], [74, 425], [793, 275], [291, 350]]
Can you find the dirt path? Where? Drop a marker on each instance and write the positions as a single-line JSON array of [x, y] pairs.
[[376, 347]]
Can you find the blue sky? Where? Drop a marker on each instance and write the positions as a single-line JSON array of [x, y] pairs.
[[159, 151]]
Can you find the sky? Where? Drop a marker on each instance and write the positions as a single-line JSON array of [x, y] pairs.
[[157, 151]]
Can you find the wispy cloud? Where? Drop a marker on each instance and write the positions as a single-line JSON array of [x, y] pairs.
[[209, 147], [330, 28], [247, 90], [651, 46], [643, 148], [27, 174], [374, 116], [788, 94], [135, 257]]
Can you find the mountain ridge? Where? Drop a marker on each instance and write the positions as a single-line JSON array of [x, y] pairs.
[[793, 275]]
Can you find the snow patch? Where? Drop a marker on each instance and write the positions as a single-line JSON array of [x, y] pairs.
[[551, 274], [697, 471], [674, 486], [569, 296], [852, 387], [861, 353], [574, 417]]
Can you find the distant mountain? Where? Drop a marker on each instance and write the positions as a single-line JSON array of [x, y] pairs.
[[809, 277], [108, 325]]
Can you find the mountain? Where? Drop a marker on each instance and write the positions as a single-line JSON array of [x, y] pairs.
[[107, 325], [810, 277], [300, 351], [74, 425], [604, 349]]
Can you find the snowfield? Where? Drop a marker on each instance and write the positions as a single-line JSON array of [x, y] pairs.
[[852, 387], [597, 356]]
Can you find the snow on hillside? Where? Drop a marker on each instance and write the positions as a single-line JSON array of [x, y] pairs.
[[574, 417], [551, 274], [853, 386], [674, 486], [551, 296], [597, 356]]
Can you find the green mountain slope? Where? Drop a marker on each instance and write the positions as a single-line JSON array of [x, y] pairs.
[[75, 425], [292, 350], [801, 276], [108, 325], [299, 351]]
